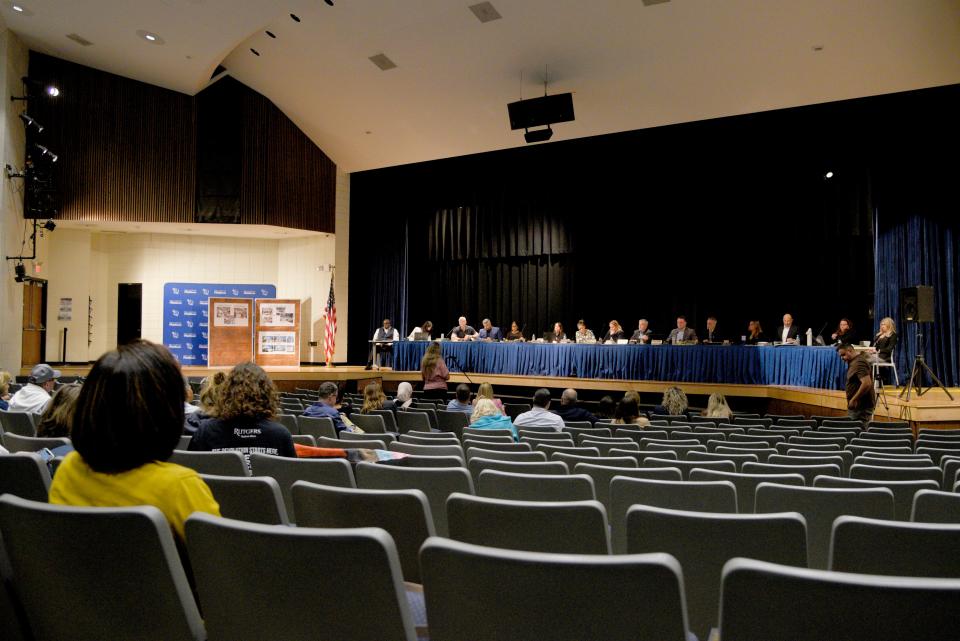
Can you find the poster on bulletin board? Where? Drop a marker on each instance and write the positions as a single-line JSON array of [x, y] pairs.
[[186, 316], [278, 332]]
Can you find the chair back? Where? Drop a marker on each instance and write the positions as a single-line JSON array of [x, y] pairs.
[[746, 484], [369, 423], [412, 421], [16, 443], [336, 472], [452, 422], [903, 491], [603, 474], [256, 499], [497, 484], [871, 546], [478, 464], [428, 450], [936, 507], [19, 423], [24, 474], [215, 463], [808, 472], [317, 426], [498, 455], [686, 467]]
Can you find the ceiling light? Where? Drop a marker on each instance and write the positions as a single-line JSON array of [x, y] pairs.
[[29, 122], [295, 17], [271, 34], [383, 62], [538, 135], [329, 2], [485, 12], [17, 8], [828, 175], [46, 153], [52, 90], [254, 51], [150, 37]]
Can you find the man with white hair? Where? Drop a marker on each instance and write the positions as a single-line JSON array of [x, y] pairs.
[[463, 332], [35, 395], [569, 411]]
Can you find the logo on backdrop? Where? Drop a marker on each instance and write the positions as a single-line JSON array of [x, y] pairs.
[[177, 296]]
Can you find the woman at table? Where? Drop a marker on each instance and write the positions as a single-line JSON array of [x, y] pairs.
[[583, 334], [755, 333], [844, 334], [424, 329], [885, 340], [434, 373], [558, 334], [614, 334], [514, 333]]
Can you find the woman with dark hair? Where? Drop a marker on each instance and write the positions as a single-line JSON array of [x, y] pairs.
[[127, 422], [57, 420], [514, 334], [424, 329], [628, 412], [606, 408], [844, 334], [434, 373], [248, 402], [558, 334], [754, 333]]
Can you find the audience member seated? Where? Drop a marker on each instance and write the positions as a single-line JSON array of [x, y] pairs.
[[373, 399], [248, 401], [209, 396], [755, 333], [489, 332], [569, 411], [188, 407], [515, 334], [674, 402], [540, 414], [462, 402], [128, 420], [486, 391], [5, 379], [628, 412], [424, 330], [606, 408], [57, 419], [584, 335], [486, 416], [35, 395], [327, 406], [717, 407], [844, 334], [434, 373], [886, 340], [614, 334], [404, 395]]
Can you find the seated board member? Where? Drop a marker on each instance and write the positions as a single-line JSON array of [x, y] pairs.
[[682, 334], [614, 334], [712, 335], [463, 332], [126, 424], [788, 332], [754, 334], [383, 350], [886, 340], [515, 334], [643, 333], [327, 406], [844, 334], [584, 334], [568, 409], [247, 403], [489, 332], [422, 332]]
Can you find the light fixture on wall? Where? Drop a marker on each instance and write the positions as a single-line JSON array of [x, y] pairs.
[[48, 89], [29, 122], [46, 153], [13, 173], [20, 272]]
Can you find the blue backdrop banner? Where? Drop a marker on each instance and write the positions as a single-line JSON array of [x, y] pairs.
[[819, 367], [185, 313]]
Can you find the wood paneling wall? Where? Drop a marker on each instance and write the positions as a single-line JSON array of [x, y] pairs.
[[128, 152]]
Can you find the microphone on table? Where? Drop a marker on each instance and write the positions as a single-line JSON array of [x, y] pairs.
[[523, 329], [819, 337]]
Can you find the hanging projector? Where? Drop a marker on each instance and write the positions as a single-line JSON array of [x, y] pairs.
[[535, 112]]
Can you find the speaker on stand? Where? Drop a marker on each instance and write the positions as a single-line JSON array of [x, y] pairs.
[[916, 306]]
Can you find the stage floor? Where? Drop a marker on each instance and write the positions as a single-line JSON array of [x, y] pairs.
[[933, 409]]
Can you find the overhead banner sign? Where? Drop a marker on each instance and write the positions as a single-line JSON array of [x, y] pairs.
[[186, 319]]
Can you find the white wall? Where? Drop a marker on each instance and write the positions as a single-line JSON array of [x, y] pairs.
[[340, 286], [13, 66], [304, 272]]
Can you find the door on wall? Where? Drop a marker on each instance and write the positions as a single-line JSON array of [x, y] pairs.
[[34, 344], [129, 311]]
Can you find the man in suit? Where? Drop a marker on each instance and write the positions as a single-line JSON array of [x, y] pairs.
[[682, 334], [788, 332], [643, 333], [712, 335], [489, 332]]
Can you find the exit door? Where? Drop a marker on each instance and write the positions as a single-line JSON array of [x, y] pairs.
[[34, 341], [129, 312]]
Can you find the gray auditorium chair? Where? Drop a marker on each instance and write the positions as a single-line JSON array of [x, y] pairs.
[[860, 450], [903, 491], [778, 538], [24, 474], [478, 464], [436, 482], [416, 460], [808, 472], [304, 439], [873, 473], [870, 546], [506, 445], [184, 443], [471, 432], [289, 421], [353, 441], [316, 426], [412, 437], [452, 421], [97, 570], [19, 423], [584, 432], [615, 598], [820, 506], [746, 484], [513, 410], [256, 499], [429, 450], [562, 527], [216, 463], [936, 453], [606, 446], [771, 441], [404, 514], [17, 443], [715, 496], [610, 461], [413, 421], [341, 571], [577, 451], [505, 455], [389, 419], [602, 475], [832, 458], [369, 423], [680, 450], [761, 451], [936, 507], [836, 605], [497, 484], [812, 438], [686, 467], [737, 459], [287, 471], [889, 461]]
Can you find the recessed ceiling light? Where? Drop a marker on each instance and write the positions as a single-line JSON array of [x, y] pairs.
[[150, 37], [383, 62], [329, 2], [485, 12], [254, 51], [271, 34], [17, 8], [817, 47], [295, 17]]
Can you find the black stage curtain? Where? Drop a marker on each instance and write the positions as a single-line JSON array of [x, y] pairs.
[[732, 217]]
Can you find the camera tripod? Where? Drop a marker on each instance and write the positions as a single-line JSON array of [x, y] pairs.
[[916, 375]]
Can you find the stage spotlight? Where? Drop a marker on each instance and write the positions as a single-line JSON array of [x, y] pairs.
[[13, 173], [46, 153], [20, 271], [52, 90], [50, 225], [30, 122], [828, 175], [49, 89], [538, 135]]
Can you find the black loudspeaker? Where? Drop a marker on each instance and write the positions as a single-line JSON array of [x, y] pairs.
[[916, 304]]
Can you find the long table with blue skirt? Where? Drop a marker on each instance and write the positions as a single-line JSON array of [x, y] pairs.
[[819, 367]]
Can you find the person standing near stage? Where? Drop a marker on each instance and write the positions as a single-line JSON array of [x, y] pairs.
[[463, 332], [860, 402], [434, 372]]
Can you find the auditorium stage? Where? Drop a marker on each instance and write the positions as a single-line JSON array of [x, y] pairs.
[[933, 409]]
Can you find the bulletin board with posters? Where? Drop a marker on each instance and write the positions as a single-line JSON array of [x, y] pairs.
[[277, 339], [231, 330]]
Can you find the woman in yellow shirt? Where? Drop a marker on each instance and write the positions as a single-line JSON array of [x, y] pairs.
[[128, 421]]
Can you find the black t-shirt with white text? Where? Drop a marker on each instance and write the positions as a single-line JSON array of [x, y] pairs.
[[243, 435]]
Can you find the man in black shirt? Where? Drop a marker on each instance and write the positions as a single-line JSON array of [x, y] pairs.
[[569, 411], [860, 402], [463, 332]]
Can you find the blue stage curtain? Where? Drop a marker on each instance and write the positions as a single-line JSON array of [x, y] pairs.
[[917, 245], [389, 286]]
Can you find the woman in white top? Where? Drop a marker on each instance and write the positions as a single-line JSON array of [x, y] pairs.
[[424, 329], [404, 395], [584, 335]]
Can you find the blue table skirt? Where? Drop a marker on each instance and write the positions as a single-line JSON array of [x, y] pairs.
[[819, 367]]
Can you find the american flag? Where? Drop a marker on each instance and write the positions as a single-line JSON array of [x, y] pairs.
[[330, 313]]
